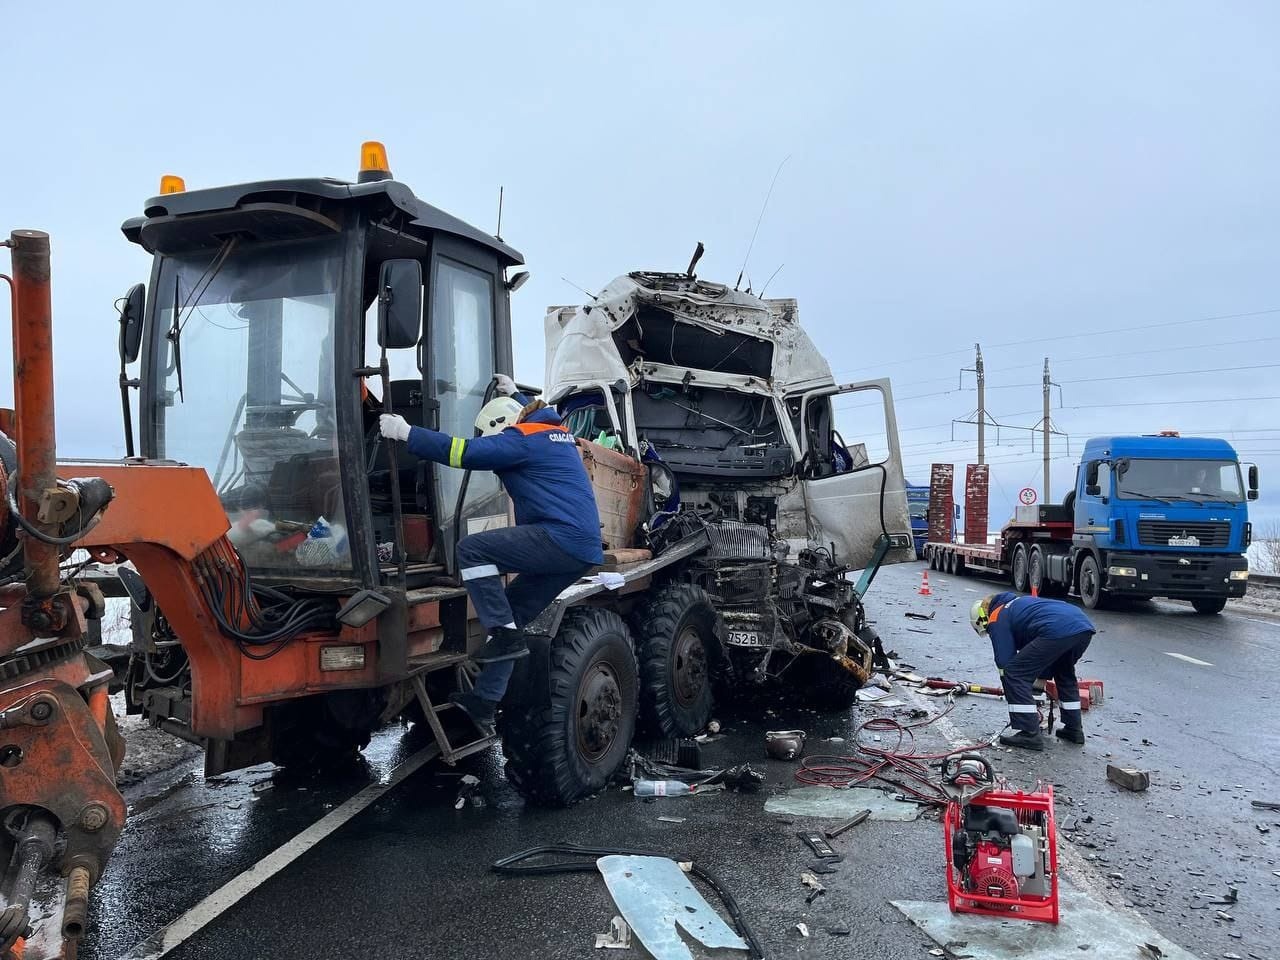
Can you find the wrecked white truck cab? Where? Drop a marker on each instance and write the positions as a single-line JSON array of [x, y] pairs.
[[735, 517], [727, 392]]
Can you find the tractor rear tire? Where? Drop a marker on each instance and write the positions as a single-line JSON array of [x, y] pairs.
[[326, 732], [572, 743], [677, 639]]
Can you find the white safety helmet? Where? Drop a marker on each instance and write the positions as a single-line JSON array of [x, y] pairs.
[[498, 414], [978, 614]]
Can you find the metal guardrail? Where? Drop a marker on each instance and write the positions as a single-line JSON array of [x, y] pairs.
[[1266, 579]]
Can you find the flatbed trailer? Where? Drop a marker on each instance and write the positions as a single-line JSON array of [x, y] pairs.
[[1027, 553]]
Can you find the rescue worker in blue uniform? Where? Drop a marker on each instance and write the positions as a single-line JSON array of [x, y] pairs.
[[1035, 639], [555, 541]]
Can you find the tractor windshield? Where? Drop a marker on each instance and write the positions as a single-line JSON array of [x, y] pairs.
[[244, 348]]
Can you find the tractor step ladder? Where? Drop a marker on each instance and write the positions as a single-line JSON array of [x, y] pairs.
[[430, 663]]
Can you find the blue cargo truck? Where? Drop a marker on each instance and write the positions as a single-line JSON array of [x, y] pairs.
[[1149, 516]]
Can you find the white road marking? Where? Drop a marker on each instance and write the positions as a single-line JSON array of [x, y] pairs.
[[1265, 623], [1183, 656], [240, 886], [970, 590]]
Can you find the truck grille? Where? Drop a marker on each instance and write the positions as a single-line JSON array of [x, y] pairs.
[[1158, 533], [735, 540]]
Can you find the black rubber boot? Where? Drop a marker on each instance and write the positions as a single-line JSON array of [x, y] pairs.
[[1026, 739], [1070, 734], [478, 710], [505, 643]]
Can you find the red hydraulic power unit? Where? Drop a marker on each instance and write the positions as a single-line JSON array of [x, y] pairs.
[[1002, 854]]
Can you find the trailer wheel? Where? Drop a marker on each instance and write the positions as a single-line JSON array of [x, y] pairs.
[[678, 649], [571, 744], [1209, 605], [949, 562], [1038, 574], [933, 558], [1092, 595], [1020, 575]]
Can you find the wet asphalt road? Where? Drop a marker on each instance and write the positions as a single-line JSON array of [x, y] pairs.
[[409, 876]]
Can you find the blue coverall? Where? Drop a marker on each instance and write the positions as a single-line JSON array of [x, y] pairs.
[[1038, 639], [557, 534]]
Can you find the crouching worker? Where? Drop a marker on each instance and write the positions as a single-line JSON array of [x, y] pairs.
[[555, 541], [1035, 639]]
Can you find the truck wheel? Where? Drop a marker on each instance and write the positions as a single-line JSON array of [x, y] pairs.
[[678, 649], [1209, 605], [933, 558], [1091, 593], [1037, 574], [1020, 577], [572, 744], [949, 562]]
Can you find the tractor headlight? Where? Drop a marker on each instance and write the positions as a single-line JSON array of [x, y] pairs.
[[1122, 571], [1239, 574]]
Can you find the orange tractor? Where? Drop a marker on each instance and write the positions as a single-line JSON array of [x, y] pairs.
[[292, 574]]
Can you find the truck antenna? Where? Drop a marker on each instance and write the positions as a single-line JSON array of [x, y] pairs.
[[760, 219], [497, 234], [770, 280], [579, 289]]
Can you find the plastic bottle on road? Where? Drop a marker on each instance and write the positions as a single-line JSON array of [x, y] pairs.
[[662, 788]]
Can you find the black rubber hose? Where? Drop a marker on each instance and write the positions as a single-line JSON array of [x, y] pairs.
[[516, 865]]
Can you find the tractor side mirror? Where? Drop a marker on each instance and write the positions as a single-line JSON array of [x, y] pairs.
[[399, 304], [131, 308], [1091, 488], [1253, 481]]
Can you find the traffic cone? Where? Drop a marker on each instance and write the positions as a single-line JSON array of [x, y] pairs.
[[924, 590], [1035, 591]]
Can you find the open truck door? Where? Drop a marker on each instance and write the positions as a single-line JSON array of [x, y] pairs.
[[854, 488]]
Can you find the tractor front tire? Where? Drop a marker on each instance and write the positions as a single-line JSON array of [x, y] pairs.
[[571, 743]]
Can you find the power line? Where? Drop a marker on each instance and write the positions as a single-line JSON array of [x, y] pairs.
[[1074, 336]]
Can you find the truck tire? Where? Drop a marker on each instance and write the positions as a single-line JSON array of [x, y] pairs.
[[1037, 574], [1020, 569], [1092, 594], [951, 563], [571, 744], [678, 647], [932, 555], [1209, 605]]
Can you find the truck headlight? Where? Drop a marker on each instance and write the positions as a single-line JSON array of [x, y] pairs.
[[1122, 571], [1239, 574]]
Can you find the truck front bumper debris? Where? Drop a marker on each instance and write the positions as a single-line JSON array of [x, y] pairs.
[[1179, 576]]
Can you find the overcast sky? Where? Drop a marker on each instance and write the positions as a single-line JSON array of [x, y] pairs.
[[957, 172]]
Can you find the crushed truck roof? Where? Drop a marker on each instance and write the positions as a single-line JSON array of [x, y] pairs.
[[674, 327]]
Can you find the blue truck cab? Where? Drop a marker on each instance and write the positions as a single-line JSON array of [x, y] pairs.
[[1161, 516]]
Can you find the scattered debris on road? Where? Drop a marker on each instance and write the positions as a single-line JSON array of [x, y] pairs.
[[784, 744], [853, 821], [618, 937], [1129, 778]]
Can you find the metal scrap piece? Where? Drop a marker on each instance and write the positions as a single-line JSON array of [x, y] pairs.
[[618, 937], [658, 900]]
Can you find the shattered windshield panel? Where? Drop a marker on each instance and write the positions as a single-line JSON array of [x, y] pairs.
[[256, 405], [917, 509], [710, 434], [1199, 480]]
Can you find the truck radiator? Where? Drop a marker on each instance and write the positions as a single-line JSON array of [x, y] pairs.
[[735, 540], [1158, 533]]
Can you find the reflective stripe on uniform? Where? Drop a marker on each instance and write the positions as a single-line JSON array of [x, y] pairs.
[[456, 448], [480, 572], [1070, 704], [1022, 708]]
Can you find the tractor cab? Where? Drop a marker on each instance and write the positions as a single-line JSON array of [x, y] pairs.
[[260, 347]]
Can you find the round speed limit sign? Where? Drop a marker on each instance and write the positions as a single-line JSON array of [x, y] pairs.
[[1027, 495]]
